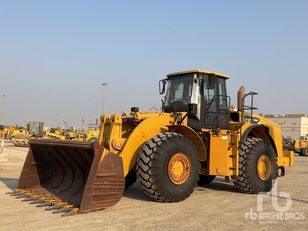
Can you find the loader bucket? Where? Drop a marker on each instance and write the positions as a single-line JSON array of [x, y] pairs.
[[71, 176]]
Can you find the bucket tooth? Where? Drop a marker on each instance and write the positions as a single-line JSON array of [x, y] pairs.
[[10, 193], [46, 201], [74, 211], [28, 199], [52, 207], [15, 194], [43, 204], [43, 198], [67, 207], [21, 196], [60, 210], [21, 193], [35, 201], [70, 212], [66, 214], [31, 196]]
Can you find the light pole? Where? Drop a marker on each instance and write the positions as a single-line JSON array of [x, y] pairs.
[[104, 84], [1, 108]]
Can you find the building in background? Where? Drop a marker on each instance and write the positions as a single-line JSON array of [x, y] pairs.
[[293, 126]]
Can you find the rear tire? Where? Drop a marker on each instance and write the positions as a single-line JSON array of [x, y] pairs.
[[304, 152], [256, 154], [167, 167]]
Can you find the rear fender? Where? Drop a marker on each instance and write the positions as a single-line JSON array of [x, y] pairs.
[[272, 135], [259, 131]]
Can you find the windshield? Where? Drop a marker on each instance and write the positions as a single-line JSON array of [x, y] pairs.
[[179, 89]]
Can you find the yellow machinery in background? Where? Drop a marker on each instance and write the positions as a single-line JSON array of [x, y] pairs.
[[92, 134], [57, 134], [61, 134], [301, 146], [11, 131], [70, 135], [196, 138], [3, 131], [33, 129], [81, 135]]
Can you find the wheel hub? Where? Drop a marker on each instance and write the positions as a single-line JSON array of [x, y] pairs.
[[264, 167], [179, 168]]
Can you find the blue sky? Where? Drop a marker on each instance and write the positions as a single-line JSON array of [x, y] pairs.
[[55, 54]]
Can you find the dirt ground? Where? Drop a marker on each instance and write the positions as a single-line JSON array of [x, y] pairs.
[[217, 206]]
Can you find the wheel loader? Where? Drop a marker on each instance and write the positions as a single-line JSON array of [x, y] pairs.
[[301, 146], [11, 131], [195, 138]]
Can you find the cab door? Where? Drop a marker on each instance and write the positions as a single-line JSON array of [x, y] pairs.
[[216, 111]]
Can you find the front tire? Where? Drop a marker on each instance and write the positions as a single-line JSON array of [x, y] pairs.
[[257, 166], [167, 167]]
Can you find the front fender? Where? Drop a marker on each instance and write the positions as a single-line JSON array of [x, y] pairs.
[[193, 136], [146, 130]]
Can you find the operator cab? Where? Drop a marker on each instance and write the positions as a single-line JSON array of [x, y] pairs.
[[200, 89]]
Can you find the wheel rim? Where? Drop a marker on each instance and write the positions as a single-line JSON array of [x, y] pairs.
[[179, 168], [264, 167]]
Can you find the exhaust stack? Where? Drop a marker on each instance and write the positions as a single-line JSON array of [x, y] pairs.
[[240, 102]]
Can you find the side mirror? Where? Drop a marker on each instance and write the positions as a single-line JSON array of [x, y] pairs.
[[162, 86], [192, 109]]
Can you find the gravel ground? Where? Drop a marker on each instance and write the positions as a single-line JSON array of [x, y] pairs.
[[218, 206]]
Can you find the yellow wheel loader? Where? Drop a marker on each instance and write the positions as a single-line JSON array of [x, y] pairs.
[[194, 139], [10, 132], [301, 146]]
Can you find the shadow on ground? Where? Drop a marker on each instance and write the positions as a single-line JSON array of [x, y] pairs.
[[135, 192], [219, 185], [11, 183]]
